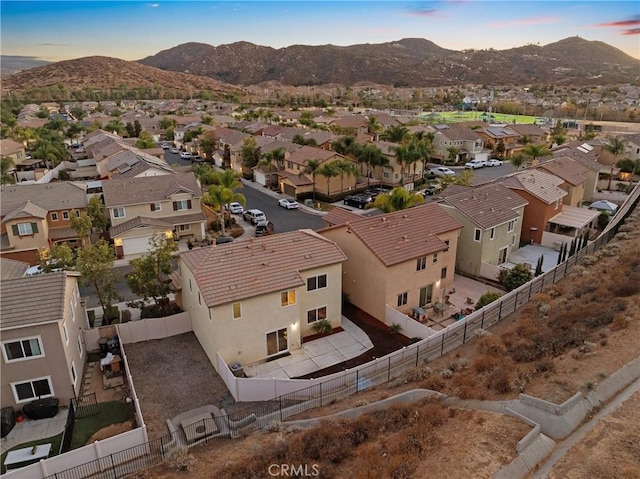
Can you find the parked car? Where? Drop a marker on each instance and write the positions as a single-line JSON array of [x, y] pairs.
[[185, 155], [441, 171], [474, 164], [359, 201], [264, 228], [288, 203], [165, 146], [254, 216], [234, 208], [224, 239], [173, 149], [196, 158], [494, 162], [432, 190]]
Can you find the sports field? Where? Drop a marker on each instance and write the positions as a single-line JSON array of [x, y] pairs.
[[455, 116]]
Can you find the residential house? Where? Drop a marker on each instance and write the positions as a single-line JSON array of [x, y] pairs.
[[41, 323], [492, 217], [587, 156], [399, 260], [393, 173], [265, 174], [35, 216], [258, 299], [534, 133], [140, 208], [632, 147], [468, 144], [494, 136], [293, 179], [12, 149], [12, 269], [574, 174], [234, 139], [355, 124]]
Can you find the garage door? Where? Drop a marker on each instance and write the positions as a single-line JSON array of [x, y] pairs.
[[290, 190], [135, 245]]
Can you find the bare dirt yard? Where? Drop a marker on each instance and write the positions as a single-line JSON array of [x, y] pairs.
[[566, 340]]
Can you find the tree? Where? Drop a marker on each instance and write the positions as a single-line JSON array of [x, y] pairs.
[[615, 146], [395, 133], [329, 170], [95, 264], [95, 210], [150, 275], [517, 160], [515, 277], [167, 122], [535, 151], [369, 154], [81, 224], [250, 153], [345, 167], [465, 178], [115, 125], [59, 256], [373, 126], [6, 165], [145, 141], [311, 167], [500, 148], [268, 160], [539, 263], [221, 193], [137, 128], [603, 220], [486, 298], [453, 153], [398, 199]]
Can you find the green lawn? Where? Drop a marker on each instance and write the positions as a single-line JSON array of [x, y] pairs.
[[112, 412], [55, 442], [455, 116]]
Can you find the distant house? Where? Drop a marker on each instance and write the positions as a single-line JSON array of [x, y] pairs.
[[35, 216], [256, 300], [43, 353], [398, 260], [12, 149], [574, 174], [466, 141], [140, 208], [492, 217], [534, 133], [500, 135], [587, 156]]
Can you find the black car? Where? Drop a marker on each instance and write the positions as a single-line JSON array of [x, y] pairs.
[[224, 239], [431, 190], [359, 201], [196, 159]]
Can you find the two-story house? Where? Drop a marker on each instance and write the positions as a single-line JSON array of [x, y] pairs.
[[587, 156], [399, 260], [140, 208], [12, 149], [505, 136], [492, 216], [468, 144], [35, 216], [533, 133], [43, 351], [256, 300], [574, 174]]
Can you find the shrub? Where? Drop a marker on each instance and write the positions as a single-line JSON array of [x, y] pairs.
[[499, 381], [485, 363], [491, 345], [486, 298], [91, 314], [515, 277], [395, 328], [322, 327], [111, 314]]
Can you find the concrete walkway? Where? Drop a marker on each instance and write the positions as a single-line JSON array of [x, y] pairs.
[[315, 355], [35, 430]]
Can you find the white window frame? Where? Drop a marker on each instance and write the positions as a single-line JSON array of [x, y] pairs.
[[421, 263], [513, 240], [185, 227], [317, 281], [289, 302], [65, 215], [32, 380], [435, 258], [24, 358], [54, 216], [157, 206], [179, 205], [403, 299], [233, 310], [22, 229], [326, 314], [277, 338], [115, 212], [80, 348], [492, 234], [510, 226], [477, 235], [66, 334]]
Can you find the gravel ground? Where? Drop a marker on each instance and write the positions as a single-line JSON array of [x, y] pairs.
[[172, 376]]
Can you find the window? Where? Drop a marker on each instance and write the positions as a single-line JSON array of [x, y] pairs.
[[65, 215], [25, 229], [510, 226], [502, 255], [185, 227], [117, 212], [316, 282], [277, 341], [426, 295], [79, 343], [421, 263], [447, 243], [477, 234], [288, 298], [66, 334], [290, 165], [557, 204], [77, 213], [181, 205], [190, 289], [21, 349], [73, 311], [513, 239], [32, 389], [492, 233], [54, 216], [402, 299], [237, 310], [443, 273], [435, 257], [156, 206], [317, 314], [199, 299], [74, 376]]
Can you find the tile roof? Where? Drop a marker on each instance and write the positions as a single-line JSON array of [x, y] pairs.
[[489, 205], [147, 189], [258, 266], [528, 129], [287, 146], [46, 299], [457, 133], [138, 221], [306, 153], [295, 179], [8, 146], [407, 234], [26, 210], [570, 170], [10, 268], [55, 196], [339, 216], [229, 136], [543, 186]]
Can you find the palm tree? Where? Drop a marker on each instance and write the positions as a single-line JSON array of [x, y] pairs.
[[6, 164], [373, 126], [398, 199], [615, 146], [395, 133], [370, 155], [267, 160], [517, 160], [345, 167], [329, 170], [535, 151], [311, 167], [228, 179], [405, 157], [74, 130]]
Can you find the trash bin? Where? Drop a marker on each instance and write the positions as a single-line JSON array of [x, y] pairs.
[[104, 348], [237, 370]]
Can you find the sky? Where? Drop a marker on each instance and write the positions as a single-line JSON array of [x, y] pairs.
[[132, 30]]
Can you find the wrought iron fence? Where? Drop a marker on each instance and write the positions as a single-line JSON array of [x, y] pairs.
[[86, 405]]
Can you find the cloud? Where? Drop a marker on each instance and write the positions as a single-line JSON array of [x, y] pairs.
[[54, 44], [631, 31], [621, 23], [153, 5], [524, 22], [423, 9]]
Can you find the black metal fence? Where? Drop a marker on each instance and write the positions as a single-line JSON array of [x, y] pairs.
[[341, 385], [65, 445], [86, 405]]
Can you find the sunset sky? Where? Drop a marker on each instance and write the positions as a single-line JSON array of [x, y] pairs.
[[131, 30]]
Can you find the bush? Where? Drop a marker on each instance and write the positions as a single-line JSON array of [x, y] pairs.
[[155, 311], [486, 298], [91, 314], [322, 327], [516, 277], [111, 314]]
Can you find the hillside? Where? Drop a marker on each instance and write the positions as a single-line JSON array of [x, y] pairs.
[[103, 73], [407, 62]]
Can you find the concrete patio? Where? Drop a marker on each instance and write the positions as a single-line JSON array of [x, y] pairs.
[[35, 430], [315, 355]]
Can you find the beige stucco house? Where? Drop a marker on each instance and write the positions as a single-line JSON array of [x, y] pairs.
[[257, 299], [492, 218], [466, 141], [12, 149], [574, 174], [402, 260], [140, 208], [43, 352]]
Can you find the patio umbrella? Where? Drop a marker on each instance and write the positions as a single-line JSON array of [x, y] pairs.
[[604, 205]]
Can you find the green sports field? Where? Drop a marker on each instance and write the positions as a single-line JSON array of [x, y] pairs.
[[455, 116]]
